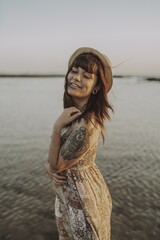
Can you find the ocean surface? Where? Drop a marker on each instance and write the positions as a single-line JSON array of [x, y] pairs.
[[129, 159]]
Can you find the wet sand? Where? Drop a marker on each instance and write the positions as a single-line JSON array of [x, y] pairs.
[[28, 204]]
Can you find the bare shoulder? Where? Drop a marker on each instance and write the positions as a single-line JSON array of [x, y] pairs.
[[88, 125]]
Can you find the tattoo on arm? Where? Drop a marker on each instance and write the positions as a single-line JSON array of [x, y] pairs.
[[76, 144]]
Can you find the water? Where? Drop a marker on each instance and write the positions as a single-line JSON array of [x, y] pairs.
[[129, 160]]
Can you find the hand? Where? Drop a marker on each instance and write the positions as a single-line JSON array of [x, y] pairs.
[[56, 177], [67, 116]]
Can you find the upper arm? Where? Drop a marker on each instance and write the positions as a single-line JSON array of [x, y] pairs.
[[75, 146]]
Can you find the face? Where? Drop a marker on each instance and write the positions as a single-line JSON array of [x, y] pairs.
[[81, 83]]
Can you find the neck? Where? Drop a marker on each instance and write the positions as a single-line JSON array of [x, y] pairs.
[[80, 103]]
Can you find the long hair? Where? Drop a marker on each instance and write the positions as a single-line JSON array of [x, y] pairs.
[[97, 104]]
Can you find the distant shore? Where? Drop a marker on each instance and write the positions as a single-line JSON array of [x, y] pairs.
[[38, 75], [43, 75], [31, 75], [153, 78]]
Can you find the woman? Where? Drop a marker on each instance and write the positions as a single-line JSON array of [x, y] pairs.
[[83, 203]]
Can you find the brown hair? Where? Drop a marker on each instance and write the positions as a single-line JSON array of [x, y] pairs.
[[97, 103]]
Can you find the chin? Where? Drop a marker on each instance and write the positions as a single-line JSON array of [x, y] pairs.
[[71, 94]]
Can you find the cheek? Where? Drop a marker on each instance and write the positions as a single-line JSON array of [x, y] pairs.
[[92, 84], [69, 76]]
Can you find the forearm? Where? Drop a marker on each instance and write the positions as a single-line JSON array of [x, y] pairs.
[[54, 147]]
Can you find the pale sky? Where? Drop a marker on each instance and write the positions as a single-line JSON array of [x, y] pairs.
[[40, 35]]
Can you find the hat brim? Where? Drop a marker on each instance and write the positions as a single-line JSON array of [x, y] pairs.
[[103, 58]]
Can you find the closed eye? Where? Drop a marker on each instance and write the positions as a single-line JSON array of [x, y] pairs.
[[74, 70], [88, 75]]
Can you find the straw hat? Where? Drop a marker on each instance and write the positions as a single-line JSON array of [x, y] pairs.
[[105, 61]]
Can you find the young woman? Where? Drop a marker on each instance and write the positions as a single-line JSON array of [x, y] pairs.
[[83, 203]]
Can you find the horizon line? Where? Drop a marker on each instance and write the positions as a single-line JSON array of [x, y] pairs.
[[148, 77]]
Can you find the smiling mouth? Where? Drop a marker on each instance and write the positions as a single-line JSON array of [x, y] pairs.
[[74, 85]]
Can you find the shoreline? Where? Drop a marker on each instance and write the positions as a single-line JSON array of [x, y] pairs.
[[37, 75], [31, 75]]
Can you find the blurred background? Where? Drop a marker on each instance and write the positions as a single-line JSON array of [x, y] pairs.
[[36, 41]]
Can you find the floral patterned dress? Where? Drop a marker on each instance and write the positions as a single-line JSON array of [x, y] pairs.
[[83, 204]]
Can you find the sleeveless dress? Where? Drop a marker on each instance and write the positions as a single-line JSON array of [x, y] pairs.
[[83, 204]]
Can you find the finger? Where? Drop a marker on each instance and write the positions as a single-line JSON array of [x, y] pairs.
[[59, 177], [58, 181], [75, 112], [76, 115], [73, 108]]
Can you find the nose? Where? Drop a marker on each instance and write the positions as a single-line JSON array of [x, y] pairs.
[[77, 77]]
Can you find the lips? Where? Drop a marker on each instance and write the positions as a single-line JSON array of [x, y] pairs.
[[74, 85]]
